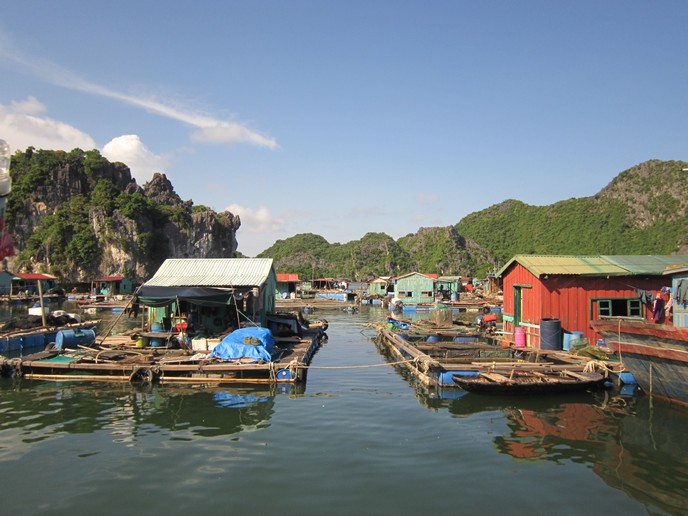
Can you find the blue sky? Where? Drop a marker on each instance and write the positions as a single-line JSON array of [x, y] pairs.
[[345, 117]]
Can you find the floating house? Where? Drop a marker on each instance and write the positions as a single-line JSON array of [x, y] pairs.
[[287, 284], [112, 286], [6, 278], [210, 295], [449, 285], [15, 284], [379, 286], [415, 288], [548, 298], [679, 289]]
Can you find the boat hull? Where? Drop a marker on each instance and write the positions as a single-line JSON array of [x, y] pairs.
[[529, 383], [656, 355]]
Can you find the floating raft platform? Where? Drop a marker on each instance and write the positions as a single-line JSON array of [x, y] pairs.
[[37, 338], [117, 359], [434, 364]]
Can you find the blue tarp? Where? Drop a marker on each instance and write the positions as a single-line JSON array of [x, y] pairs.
[[398, 324], [256, 343]]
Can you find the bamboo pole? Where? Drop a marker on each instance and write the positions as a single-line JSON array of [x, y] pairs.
[[107, 333], [40, 300]]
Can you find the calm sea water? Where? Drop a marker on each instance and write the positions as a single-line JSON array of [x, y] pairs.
[[361, 437]]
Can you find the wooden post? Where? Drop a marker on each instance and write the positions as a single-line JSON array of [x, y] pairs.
[[40, 300]]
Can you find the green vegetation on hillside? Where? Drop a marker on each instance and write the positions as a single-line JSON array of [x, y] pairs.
[[644, 210], [74, 187], [66, 206]]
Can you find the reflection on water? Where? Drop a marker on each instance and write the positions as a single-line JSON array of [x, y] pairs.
[[634, 444], [43, 411], [364, 437]]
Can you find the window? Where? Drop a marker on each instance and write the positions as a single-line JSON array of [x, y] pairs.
[[405, 293], [619, 308], [427, 294]]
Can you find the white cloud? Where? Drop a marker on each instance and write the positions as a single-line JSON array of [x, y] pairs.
[[30, 106], [22, 125], [130, 150], [257, 221], [427, 198], [210, 129]]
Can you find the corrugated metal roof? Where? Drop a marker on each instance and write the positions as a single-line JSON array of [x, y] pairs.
[[110, 278], [677, 269], [621, 265], [647, 264], [539, 265], [286, 277], [212, 272], [34, 276]]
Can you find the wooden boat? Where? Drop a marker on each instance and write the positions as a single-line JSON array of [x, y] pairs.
[[519, 381], [656, 354]]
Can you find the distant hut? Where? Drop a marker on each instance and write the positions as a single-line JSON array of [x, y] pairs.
[[415, 288], [28, 283], [111, 286], [449, 285], [379, 287], [287, 284]]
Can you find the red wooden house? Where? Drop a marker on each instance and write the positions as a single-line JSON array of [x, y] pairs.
[[577, 289]]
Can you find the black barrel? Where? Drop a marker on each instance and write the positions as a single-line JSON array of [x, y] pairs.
[[551, 336]]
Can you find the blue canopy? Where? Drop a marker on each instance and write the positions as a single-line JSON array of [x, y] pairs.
[[256, 343]]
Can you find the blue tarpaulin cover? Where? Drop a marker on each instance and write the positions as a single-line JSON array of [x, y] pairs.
[[398, 324], [256, 343]]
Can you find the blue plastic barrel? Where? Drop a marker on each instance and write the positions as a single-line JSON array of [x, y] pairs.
[[156, 343], [433, 338], [627, 378], [156, 326], [454, 296], [566, 345], [576, 335], [73, 338], [466, 338], [284, 374], [446, 379]]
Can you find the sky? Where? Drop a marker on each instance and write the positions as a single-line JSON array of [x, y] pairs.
[[341, 118]]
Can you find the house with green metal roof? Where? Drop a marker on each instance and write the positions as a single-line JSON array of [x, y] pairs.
[[541, 291]]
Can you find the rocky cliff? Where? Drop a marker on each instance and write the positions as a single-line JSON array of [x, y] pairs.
[[78, 216]]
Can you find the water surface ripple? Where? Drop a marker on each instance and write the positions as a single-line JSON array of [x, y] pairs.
[[365, 439]]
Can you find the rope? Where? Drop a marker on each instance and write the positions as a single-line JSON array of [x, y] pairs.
[[118, 351], [413, 361], [596, 365], [618, 336]]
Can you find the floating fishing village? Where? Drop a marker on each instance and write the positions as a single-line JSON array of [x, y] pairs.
[[558, 345], [569, 323]]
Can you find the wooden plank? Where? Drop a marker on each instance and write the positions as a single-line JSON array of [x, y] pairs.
[[576, 375], [495, 377]]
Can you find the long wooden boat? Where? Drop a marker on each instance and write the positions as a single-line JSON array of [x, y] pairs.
[[656, 354], [519, 381]]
